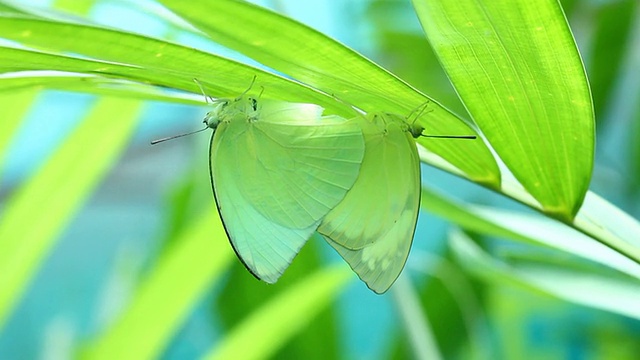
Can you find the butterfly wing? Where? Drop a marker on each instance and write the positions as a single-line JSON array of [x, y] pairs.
[[274, 182], [373, 227]]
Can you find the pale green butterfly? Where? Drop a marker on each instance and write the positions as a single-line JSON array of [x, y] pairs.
[[373, 227], [277, 168]]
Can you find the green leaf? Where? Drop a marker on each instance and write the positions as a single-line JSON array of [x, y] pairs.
[[197, 259], [11, 9], [15, 106], [162, 63], [614, 20], [611, 226], [453, 304], [588, 289], [317, 341], [271, 326], [416, 324], [37, 214], [75, 6], [92, 85], [517, 69], [119, 54], [550, 233], [317, 60]]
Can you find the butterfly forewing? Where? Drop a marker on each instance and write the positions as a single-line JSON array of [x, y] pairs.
[[303, 171]]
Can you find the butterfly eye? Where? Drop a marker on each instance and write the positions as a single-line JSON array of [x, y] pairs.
[[416, 130], [211, 120], [254, 104], [215, 116]]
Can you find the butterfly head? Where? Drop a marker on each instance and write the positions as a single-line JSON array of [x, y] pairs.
[[213, 118], [415, 130]]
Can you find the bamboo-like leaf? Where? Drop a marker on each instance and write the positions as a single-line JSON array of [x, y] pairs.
[[415, 321], [90, 84], [593, 290], [75, 6], [144, 59], [15, 106], [11, 9], [315, 59], [320, 338], [542, 231], [198, 257], [608, 224], [140, 58], [614, 20], [269, 327], [517, 70], [37, 214]]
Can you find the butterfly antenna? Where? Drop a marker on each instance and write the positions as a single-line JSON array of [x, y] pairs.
[[207, 98], [416, 131], [249, 88], [471, 137], [420, 109], [355, 109], [153, 142]]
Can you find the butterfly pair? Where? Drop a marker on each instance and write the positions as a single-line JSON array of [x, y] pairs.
[[281, 171]]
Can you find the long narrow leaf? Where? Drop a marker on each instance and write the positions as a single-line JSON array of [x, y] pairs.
[[608, 224], [271, 326], [37, 214], [518, 71], [536, 230], [315, 59], [135, 57], [90, 84], [200, 255], [15, 106], [591, 290]]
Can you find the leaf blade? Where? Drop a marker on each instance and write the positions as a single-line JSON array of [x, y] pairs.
[[324, 63], [185, 272], [24, 238], [269, 327], [516, 68]]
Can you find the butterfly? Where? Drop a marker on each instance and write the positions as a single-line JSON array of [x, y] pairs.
[[277, 168], [373, 227]]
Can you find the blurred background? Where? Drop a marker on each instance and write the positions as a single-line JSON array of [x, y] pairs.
[[151, 193]]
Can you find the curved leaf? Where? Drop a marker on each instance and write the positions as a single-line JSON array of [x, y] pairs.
[[518, 71], [616, 250], [315, 59], [200, 255], [140, 58], [90, 84], [27, 232], [593, 290], [15, 106], [269, 327]]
